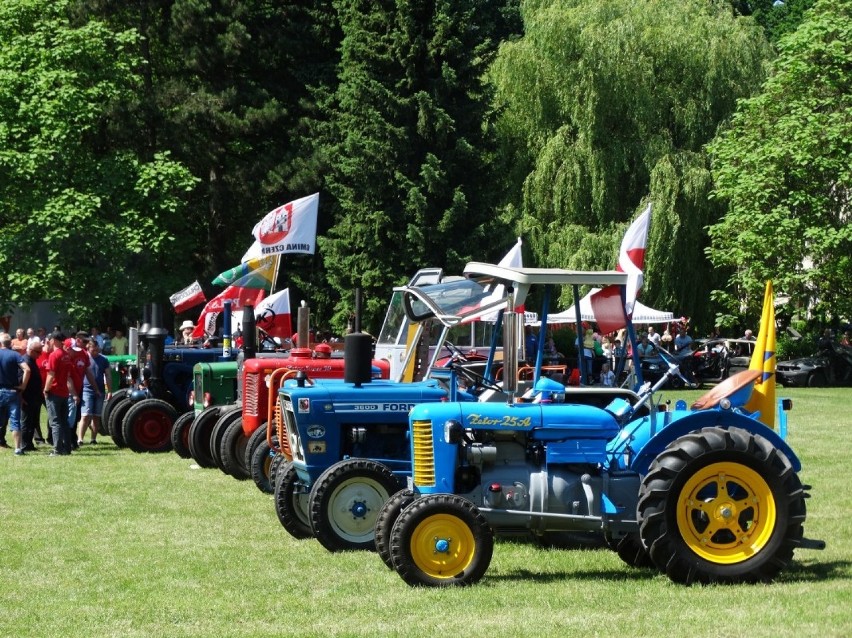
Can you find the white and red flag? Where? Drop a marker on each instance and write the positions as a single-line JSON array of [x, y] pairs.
[[610, 315], [273, 315], [239, 297], [190, 296], [291, 228]]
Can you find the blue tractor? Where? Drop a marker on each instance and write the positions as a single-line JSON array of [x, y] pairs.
[[346, 443], [705, 494], [141, 416]]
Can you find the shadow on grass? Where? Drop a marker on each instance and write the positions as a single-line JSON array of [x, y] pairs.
[[798, 572]]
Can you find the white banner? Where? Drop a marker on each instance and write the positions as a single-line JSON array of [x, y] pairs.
[[291, 228]]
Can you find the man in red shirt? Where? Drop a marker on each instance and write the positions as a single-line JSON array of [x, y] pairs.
[[81, 369], [58, 386]]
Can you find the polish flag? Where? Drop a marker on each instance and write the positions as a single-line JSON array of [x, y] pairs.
[[238, 297], [273, 315], [610, 313], [190, 296]]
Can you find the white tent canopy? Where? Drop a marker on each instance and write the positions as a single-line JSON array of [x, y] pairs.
[[641, 313]]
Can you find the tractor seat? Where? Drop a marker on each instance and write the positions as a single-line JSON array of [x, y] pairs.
[[728, 388]]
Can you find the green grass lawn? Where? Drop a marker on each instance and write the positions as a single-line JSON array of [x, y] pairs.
[[111, 543]]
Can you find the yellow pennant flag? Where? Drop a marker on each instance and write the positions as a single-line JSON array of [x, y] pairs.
[[763, 358]]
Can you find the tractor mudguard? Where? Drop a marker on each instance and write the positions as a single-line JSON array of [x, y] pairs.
[[647, 442]]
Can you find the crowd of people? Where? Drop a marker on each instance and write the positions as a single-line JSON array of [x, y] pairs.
[[68, 376]]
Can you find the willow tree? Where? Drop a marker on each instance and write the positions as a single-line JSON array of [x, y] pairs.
[[607, 104], [785, 174]]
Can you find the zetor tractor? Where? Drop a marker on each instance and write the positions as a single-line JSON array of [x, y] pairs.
[[707, 494], [347, 443]]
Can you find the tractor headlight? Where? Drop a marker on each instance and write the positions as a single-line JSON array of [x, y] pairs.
[[453, 431]]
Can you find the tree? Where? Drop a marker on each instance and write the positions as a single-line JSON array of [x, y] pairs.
[[784, 173], [83, 215], [410, 181], [607, 104]]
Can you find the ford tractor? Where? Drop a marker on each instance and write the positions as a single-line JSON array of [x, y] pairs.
[[705, 494], [347, 444]]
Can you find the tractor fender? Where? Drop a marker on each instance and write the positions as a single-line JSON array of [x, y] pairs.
[[648, 442]]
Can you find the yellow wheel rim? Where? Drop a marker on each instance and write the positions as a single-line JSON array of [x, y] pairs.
[[442, 546], [726, 513]]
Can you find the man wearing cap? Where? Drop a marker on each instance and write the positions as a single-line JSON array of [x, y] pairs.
[[322, 351], [31, 397], [11, 365], [186, 330], [58, 388]]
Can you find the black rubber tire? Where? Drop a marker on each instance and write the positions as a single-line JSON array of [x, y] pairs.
[[291, 501], [385, 521], [630, 549], [449, 518], [233, 448], [817, 380], [116, 419], [180, 434], [259, 468], [109, 406], [346, 500], [199, 436], [277, 461], [255, 438], [147, 426], [755, 478], [226, 415]]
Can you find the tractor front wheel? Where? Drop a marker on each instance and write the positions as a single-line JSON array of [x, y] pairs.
[[199, 436], [261, 459], [721, 505], [441, 540], [109, 406], [291, 502], [180, 434], [345, 502], [226, 416], [116, 420], [233, 449], [147, 427], [386, 520]]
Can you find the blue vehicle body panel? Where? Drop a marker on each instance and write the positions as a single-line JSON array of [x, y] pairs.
[[641, 441]]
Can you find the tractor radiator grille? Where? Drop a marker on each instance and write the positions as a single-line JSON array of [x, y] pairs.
[[251, 394], [424, 453], [288, 433]]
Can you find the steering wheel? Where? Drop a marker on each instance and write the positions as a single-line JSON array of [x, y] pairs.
[[475, 379], [671, 361], [455, 351]]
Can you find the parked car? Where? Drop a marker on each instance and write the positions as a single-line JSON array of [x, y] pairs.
[[832, 366], [710, 361]]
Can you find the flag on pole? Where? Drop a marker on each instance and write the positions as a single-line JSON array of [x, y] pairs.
[[631, 260], [763, 358], [238, 297], [291, 228], [190, 296], [273, 315], [235, 274]]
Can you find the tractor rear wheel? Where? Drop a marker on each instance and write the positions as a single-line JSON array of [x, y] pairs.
[[180, 434], [385, 521], [226, 415], [199, 436], [260, 462], [147, 427], [116, 418], [345, 502], [291, 502], [721, 505], [233, 449], [441, 540], [109, 406]]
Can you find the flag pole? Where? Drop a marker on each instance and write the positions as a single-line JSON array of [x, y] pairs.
[[275, 272]]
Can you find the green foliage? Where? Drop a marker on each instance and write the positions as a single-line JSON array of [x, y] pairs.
[[72, 201], [411, 179], [783, 172], [609, 104]]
